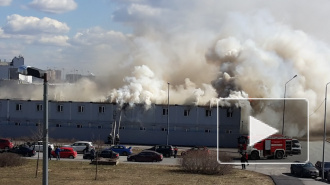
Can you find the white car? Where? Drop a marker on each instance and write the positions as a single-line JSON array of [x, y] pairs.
[[80, 146], [38, 146]]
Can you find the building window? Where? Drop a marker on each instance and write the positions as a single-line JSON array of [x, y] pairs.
[[58, 125], [228, 131], [187, 129], [164, 129], [39, 107], [208, 113], [80, 108], [101, 109], [79, 126], [207, 130], [186, 112], [142, 128], [165, 111], [19, 107], [60, 108], [37, 124], [122, 128], [99, 126], [17, 124], [229, 112]]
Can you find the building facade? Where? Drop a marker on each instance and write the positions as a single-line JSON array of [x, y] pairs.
[[188, 125]]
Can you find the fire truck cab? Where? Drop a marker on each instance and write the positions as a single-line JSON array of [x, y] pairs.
[[277, 146]]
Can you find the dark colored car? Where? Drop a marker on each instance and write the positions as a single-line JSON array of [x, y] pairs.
[[122, 150], [304, 170], [200, 149], [23, 151], [318, 166], [5, 144], [107, 153], [166, 150], [146, 156], [66, 152]]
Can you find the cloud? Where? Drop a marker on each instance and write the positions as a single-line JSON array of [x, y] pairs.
[[58, 40], [5, 2], [17, 24], [53, 6]]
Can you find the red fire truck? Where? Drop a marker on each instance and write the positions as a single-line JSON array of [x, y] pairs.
[[277, 146]]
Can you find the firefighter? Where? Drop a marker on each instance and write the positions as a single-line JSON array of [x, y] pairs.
[[117, 140], [110, 139]]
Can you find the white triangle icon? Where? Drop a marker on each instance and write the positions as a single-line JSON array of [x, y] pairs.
[[259, 131]]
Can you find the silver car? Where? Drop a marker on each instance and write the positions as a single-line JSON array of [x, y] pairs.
[[81, 146], [38, 146]]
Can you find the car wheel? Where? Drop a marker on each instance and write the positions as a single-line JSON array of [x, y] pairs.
[[154, 160], [51, 156], [167, 155], [71, 157], [279, 155], [6, 148], [133, 160], [254, 155], [124, 153]]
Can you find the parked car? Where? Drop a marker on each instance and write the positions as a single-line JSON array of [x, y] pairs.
[[121, 150], [304, 170], [318, 166], [23, 151], [104, 153], [5, 144], [146, 156], [66, 152], [166, 150], [201, 149], [38, 146], [80, 146]]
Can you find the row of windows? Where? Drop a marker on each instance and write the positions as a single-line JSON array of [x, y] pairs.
[[186, 112], [123, 128]]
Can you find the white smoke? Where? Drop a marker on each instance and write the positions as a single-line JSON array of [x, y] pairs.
[[208, 50]]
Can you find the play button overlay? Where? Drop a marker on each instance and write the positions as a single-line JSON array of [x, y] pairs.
[[263, 130], [259, 131]]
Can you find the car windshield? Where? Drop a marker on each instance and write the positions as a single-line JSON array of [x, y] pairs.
[[327, 165]]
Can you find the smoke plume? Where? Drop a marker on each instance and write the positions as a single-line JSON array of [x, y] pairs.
[[208, 50]]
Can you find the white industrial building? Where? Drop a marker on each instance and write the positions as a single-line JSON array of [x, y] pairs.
[[188, 125]]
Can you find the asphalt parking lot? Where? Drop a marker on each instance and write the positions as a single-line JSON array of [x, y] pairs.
[[279, 172]]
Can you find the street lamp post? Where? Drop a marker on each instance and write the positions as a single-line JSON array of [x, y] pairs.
[[284, 102], [38, 73], [324, 131], [168, 112]]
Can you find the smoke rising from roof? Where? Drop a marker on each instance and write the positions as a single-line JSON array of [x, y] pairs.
[[208, 50]]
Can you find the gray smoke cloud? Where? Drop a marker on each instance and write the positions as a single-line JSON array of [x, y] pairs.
[[208, 50]]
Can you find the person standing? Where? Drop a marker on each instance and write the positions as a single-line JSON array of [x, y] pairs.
[[92, 154], [246, 158], [243, 160], [57, 153], [175, 152], [49, 152]]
